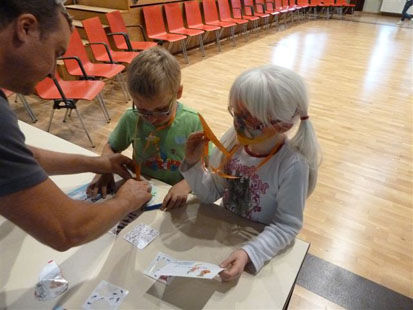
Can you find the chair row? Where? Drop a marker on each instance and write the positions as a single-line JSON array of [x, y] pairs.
[[218, 15], [108, 64]]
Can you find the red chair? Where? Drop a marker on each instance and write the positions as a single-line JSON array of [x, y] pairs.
[[342, 4], [156, 30], [267, 7], [283, 10], [78, 64], [121, 36], [237, 12], [176, 24], [304, 4], [211, 18], [65, 95], [29, 111], [225, 16], [250, 9], [315, 4], [194, 21], [99, 43], [326, 5]]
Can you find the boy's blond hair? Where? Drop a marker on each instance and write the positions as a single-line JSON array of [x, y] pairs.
[[154, 72]]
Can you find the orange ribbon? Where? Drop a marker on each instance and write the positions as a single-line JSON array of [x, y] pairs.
[[219, 171]]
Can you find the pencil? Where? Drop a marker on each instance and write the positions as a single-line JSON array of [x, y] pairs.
[[138, 171]]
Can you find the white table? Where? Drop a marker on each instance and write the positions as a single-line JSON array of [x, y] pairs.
[[196, 232]]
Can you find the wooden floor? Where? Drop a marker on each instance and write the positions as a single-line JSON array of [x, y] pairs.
[[359, 76]]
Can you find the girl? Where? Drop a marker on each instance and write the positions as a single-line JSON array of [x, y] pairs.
[[264, 176]]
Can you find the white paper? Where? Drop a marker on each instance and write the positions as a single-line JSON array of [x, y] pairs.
[[191, 269], [141, 235], [105, 296], [157, 263]]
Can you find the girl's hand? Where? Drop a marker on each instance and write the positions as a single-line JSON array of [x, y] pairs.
[[176, 196], [195, 146], [101, 183], [234, 265]]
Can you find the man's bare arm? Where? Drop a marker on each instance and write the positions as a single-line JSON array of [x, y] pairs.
[[54, 219], [62, 163]]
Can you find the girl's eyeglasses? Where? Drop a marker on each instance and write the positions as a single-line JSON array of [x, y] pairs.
[[163, 112], [249, 120]]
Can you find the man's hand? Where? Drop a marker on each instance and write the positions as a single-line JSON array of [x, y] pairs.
[[137, 193], [234, 265], [101, 183], [115, 163], [176, 196]]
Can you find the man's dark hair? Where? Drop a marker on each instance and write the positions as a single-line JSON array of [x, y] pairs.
[[46, 12]]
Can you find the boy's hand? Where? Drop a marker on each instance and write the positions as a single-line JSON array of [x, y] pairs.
[[176, 196], [234, 265], [195, 146], [137, 193], [101, 183]]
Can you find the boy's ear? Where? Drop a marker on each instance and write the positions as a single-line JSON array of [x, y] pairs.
[[179, 92]]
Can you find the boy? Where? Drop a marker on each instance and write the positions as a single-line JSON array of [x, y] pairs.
[[157, 126]]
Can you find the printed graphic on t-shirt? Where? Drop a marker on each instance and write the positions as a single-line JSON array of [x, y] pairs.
[[242, 196]]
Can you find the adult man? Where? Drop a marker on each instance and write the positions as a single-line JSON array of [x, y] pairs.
[[33, 33]]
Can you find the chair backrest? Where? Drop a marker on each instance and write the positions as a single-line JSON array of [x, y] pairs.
[[341, 2], [315, 2], [285, 3], [117, 24], [236, 8], [278, 4], [270, 5], [260, 6], [174, 16], [329, 2], [192, 13], [154, 20], [247, 6], [291, 3], [302, 2], [95, 33], [224, 10], [210, 11], [75, 48]]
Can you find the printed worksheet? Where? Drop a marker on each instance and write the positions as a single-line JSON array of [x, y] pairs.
[[190, 269]]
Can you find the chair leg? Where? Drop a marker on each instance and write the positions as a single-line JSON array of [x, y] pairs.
[[183, 44], [67, 113], [103, 107], [27, 107], [84, 128], [121, 81], [245, 31], [233, 36], [201, 45], [50, 120], [218, 36]]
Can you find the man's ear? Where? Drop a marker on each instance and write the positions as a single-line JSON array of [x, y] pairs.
[[179, 92], [27, 27]]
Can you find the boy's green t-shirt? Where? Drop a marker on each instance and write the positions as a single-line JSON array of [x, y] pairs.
[[165, 149]]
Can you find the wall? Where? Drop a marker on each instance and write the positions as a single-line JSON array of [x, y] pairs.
[[372, 6]]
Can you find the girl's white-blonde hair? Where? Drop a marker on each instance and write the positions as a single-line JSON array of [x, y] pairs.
[[273, 93]]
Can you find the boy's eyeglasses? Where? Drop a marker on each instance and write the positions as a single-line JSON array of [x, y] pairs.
[[164, 112]]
